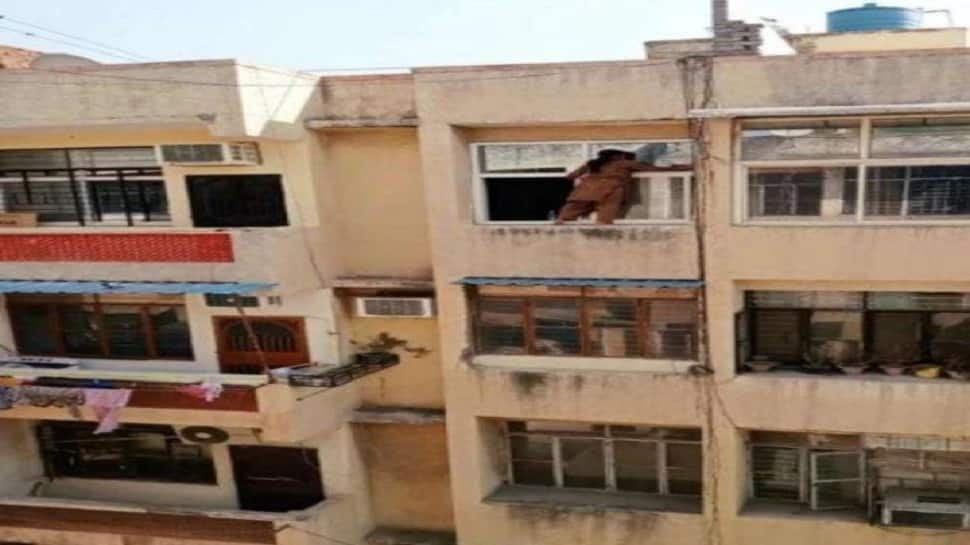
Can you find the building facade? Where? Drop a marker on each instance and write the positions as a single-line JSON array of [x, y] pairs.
[[337, 309]]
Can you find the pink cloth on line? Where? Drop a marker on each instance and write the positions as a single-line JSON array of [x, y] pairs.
[[209, 390], [107, 405]]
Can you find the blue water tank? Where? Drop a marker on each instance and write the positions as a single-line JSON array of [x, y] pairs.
[[874, 17]]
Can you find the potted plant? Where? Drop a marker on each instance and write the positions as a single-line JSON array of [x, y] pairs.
[[854, 367], [900, 360], [761, 365], [957, 367]]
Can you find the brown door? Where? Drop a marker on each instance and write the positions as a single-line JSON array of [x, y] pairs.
[[282, 343], [276, 479]]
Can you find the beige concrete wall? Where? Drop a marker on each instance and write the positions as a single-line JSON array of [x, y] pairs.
[[381, 218], [416, 381], [367, 99], [886, 40], [407, 467]]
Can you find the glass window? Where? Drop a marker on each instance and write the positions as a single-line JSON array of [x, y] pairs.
[[684, 469], [778, 335], [776, 473], [950, 338], [613, 327], [672, 329], [806, 299], [501, 326], [636, 466], [170, 327], [535, 158], [51, 200], [672, 154], [583, 463], [132, 452], [897, 336], [836, 337], [920, 137], [557, 326], [822, 140], [32, 329], [107, 330], [901, 192], [532, 460], [146, 200], [657, 197], [526, 199], [809, 192]]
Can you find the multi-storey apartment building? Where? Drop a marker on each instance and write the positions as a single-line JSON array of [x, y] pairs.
[[769, 345]]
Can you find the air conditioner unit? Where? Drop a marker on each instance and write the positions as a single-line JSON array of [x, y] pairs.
[[226, 154], [926, 508], [394, 307]]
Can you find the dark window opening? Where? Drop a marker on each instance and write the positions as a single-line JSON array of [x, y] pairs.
[[132, 452], [245, 200], [276, 479], [526, 199]]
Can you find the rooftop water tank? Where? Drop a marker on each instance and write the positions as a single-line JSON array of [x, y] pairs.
[[874, 17]]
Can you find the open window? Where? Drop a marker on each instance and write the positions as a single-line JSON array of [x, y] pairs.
[[239, 200], [526, 182]]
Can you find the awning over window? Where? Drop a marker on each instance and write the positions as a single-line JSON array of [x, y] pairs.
[[579, 282], [124, 287]]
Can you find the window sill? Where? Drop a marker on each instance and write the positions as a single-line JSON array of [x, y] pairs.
[[591, 500], [853, 224], [798, 511], [866, 377], [575, 363], [619, 224]]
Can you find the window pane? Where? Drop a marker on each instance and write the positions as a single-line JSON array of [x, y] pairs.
[[501, 326], [124, 331], [538, 157], [656, 197], [532, 460], [80, 329], [776, 473], [918, 301], [39, 159], [777, 335], [50, 200], [806, 299], [836, 337], [831, 140], [582, 463], [908, 192], [170, 325], [950, 337], [896, 336], [613, 328], [672, 330], [34, 329], [636, 466], [920, 138], [684, 469], [678, 154], [557, 326], [146, 199], [526, 199], [804, 192]]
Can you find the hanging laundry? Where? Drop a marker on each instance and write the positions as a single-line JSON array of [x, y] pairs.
[[107, 405], [50, 396], [209, 390]]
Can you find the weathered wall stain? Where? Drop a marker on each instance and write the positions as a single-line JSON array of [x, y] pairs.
[[527, 383]]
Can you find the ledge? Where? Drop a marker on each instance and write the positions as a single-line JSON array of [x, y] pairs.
[[592, 500], [397, 415], [399, 536], [383, 282], [362, 122], [799, 511], [569, 363]]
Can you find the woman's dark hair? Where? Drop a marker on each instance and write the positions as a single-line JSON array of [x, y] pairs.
[[606, 156]]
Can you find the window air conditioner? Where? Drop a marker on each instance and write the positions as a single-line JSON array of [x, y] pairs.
[[926, 508], [394, 307], [226, 153]]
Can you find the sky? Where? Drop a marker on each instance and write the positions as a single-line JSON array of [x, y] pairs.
[[326, 34]]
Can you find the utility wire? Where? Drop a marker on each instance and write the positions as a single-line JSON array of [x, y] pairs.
[[64, 42], [73, 37]]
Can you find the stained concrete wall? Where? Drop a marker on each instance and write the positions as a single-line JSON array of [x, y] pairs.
[[416, 382], [884, 40]]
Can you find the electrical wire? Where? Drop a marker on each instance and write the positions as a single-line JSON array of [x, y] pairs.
[[73, 37], [63, 42]]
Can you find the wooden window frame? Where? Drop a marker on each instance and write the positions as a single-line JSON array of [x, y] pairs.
[[53, 304], [607, 440], [584, 298]]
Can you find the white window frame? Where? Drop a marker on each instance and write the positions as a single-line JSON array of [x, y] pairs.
[[609, 461], [863, 162], [480, 196]]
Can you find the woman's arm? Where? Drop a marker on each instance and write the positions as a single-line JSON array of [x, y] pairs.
[[578, 172]]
